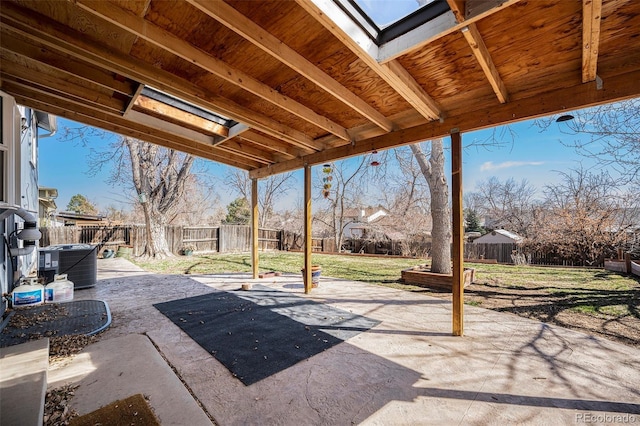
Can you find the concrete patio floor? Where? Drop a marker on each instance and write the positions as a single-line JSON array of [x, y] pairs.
[[408, 370]]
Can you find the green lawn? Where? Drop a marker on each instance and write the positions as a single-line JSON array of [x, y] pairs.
[[591, 300], [376, 270], [386, 271]]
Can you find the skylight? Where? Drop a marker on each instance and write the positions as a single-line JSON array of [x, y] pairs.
[[384, 20], [387, 12], [187, 107]]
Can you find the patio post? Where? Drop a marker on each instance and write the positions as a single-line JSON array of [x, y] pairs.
[[458, 233], [308, 242], [255, 260]]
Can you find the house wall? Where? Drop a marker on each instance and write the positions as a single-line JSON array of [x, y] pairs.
[[18, 186]]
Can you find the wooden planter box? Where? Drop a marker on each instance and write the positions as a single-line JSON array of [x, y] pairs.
[[423, 278]]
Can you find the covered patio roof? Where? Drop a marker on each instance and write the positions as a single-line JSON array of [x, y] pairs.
[[272, 86]]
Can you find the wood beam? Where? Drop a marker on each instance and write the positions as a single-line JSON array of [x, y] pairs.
[[618, 88], [33, 98], [166, 126], [480, 51], [182, 49], [62, 83], [458, 234], [240, 147], [249, 30], [33, 26], [591, 14], [208, 126], [134, 98], [254, 229], [280, 147], [426, 34], [40, 53], [458, 9], [391, 72], [308, 235]]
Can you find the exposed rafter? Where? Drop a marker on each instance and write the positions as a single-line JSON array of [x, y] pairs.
[[55, 59], [133, 99], [234, 20], [582, 95], [278, 146], [179, 47], [437, 28], [60, 106], [480, 51], [392, 72], [58, 83], [591, 13], [43, 31]]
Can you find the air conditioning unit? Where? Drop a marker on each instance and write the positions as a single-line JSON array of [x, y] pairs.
[[78, 261]]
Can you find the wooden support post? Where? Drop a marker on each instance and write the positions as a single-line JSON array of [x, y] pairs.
[[458, 234], [627, 263], [308, 241], [255, 260]]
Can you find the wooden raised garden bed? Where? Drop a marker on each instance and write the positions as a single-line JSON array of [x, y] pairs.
[[420, 276]]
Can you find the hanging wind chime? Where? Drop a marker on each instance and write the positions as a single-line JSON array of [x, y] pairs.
[[326, 180]]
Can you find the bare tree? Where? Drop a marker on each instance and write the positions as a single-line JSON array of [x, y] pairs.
[[346, 192], [405, 194], [584, 218], [613, 132], [432, 168], [199, 204], [509, 204], [270, 190], [159, 176]]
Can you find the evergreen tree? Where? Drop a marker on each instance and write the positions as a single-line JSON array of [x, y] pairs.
[[238, 212], [473, 222], [81, 205]]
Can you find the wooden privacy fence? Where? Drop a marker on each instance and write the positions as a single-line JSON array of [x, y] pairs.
[[223, 239], [237, 238]]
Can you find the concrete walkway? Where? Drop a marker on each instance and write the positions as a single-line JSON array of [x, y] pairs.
[[408, 370]]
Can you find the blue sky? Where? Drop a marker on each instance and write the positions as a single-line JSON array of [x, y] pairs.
[[531, 154]]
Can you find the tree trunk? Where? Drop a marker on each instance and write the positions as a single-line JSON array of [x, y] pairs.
[[159, 176], [433, 171], [156, 245]]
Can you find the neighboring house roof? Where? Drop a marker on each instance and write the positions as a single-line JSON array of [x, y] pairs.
[[77, 218], [46, 199], [499, 235], [368, 214]]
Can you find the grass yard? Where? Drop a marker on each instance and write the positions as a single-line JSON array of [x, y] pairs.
[[590, 300]]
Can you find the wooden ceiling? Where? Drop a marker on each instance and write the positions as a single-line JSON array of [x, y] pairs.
[[304, 84]]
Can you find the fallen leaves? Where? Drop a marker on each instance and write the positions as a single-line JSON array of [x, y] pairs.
[[56, 407]]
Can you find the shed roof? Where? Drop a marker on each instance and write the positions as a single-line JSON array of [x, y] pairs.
[[296, 82]]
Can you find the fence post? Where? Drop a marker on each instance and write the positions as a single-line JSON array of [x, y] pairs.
[[627, 262]]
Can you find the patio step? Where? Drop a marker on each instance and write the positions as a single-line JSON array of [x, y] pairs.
[[23, 383]]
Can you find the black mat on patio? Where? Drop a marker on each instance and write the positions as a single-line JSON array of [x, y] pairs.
[[85, 317], [263, 331]]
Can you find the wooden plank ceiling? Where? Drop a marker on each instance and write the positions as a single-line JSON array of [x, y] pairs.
[[299, 84]]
